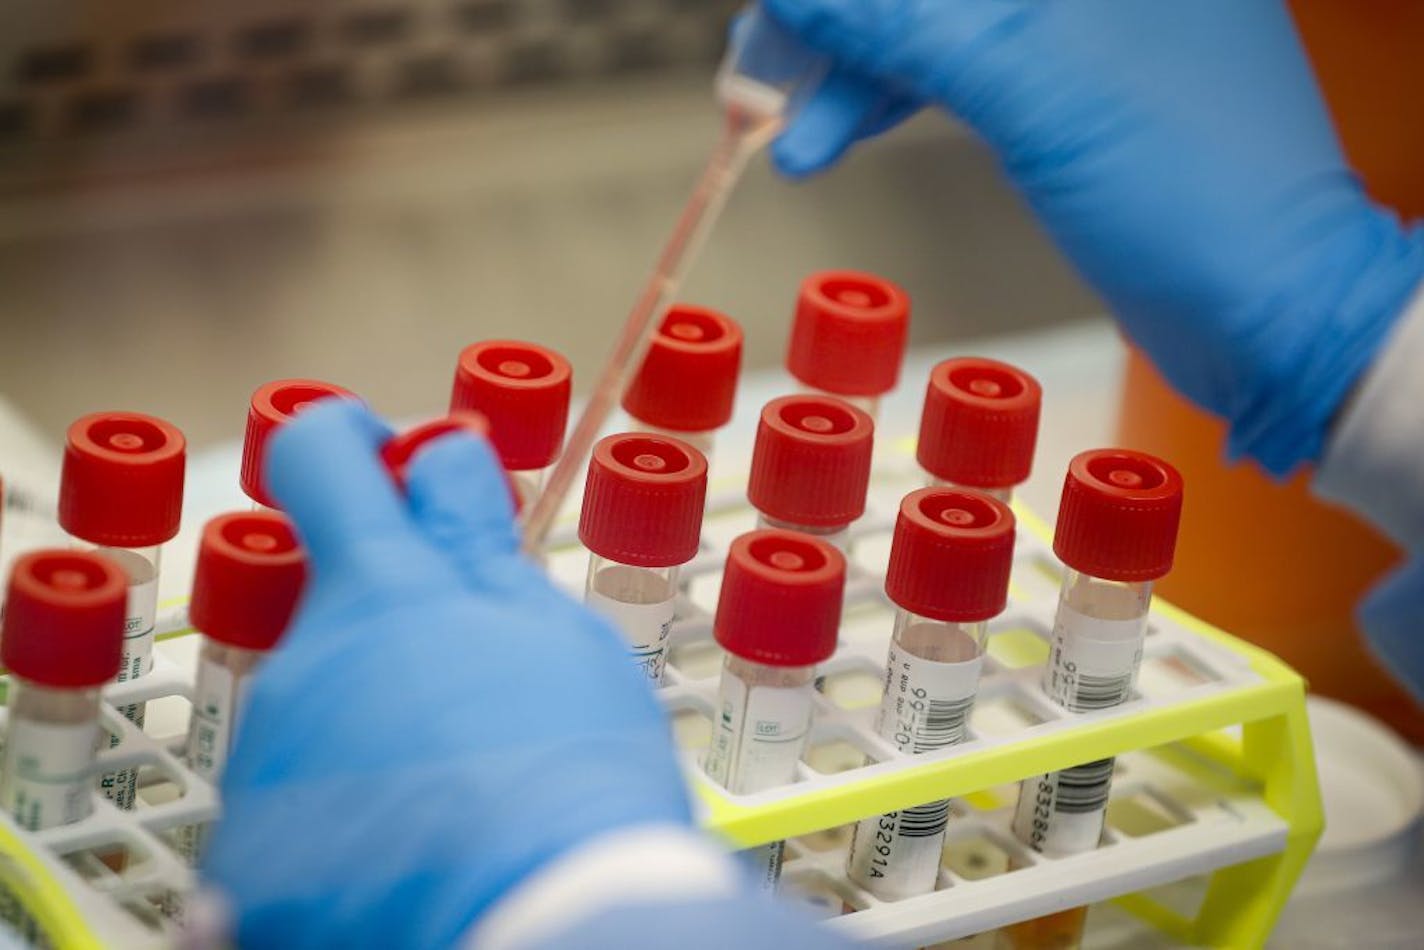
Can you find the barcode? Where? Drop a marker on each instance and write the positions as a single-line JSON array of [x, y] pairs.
[[1100, 692], [942, 725], [1083, 789], [924, 821]]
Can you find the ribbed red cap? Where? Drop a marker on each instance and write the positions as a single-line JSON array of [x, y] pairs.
[[849, 333], [980, 423], [781, 598], [122, 480], [951, 555], [400, 449], [523, 390], [249, 577], [1119, 515], [811, 461], [688, 380], [642, 503], [273, 405], [64, 619]]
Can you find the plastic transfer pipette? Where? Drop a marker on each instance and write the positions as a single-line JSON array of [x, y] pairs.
[[763, 77]]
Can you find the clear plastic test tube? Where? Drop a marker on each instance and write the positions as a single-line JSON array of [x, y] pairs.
[[979, 426], [687, 384], [811, 466], [848, 336], [249, 577], [63, 639], [641, 521], [949, 575], [1116, 535], [121, 492], [777, 618], [523, 390], [272, 406]]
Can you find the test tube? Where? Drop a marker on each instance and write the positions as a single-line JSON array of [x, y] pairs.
[[777, 617], [63, 639], [948, 576], [121, 491], [272, 406], [979, 425], [249, 576], [848, 336], [523, 390], [687, 384], [1116, 535], [811, 466], [641, 521]]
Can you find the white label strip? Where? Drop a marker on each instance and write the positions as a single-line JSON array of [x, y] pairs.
[[645, 626]]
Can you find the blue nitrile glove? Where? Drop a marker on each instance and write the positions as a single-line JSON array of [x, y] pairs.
[[440, 721], [1179, 153]]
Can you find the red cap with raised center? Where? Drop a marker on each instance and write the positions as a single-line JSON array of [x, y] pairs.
[[64, 619], [781, 599], [523, 390], [642, 503], [400, 449], [849, 333], [688, 380], [980, 423], [273, 405], [250, 574], [811, 462], [951, 555], [122, 481], [1119, 515]]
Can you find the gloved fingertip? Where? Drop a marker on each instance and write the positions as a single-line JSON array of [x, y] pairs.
[[331, 425], [460, 498], [323, 468], [798, 160]]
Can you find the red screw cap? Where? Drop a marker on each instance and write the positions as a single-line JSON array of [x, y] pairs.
[[849, 333], [951, 556], [642, 503], [1119, 515], [273, 405], [122, 479], [980, 423], [688, 380], [811, 462], [523, 390], [399, 450], [64, 619], [781, 599], [250, 574]]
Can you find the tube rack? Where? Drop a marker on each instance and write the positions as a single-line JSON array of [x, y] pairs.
[[1216, 779]]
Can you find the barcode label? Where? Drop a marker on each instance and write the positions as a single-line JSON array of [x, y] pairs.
[[1062, 813], [1084, 788], [925, 708], [897, 855], [1100, 692], [926, 704], [1092, 663], [943, 724], [924, 821]]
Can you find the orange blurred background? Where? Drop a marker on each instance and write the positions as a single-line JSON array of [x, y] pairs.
[[1264, 560]]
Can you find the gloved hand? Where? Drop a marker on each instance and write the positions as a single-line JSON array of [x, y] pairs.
[[1181, 156], [439, 722]]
